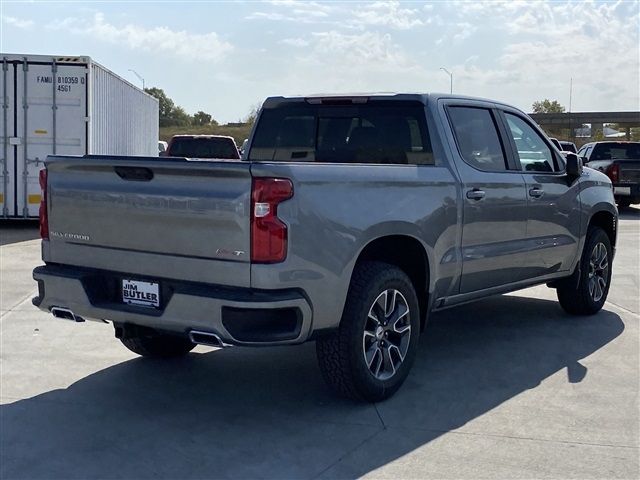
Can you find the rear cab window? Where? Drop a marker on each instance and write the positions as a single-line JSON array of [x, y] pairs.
[[616, 151], [382, 132], [568, 147]]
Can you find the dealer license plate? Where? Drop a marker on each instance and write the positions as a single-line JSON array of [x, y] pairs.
[[146, 294]]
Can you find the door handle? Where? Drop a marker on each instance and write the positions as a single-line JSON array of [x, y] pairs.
[[536, 192], [475, 194]]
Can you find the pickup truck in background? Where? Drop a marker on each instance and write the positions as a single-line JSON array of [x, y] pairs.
[[348, 220], [202, 146], [568, 146], [620, 161]]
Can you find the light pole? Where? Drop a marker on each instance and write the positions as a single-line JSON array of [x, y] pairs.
[[450, 77], [139, 77]]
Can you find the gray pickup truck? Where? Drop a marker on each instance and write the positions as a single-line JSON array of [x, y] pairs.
[[347, 221]]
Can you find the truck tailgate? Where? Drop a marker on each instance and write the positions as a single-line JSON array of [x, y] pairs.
[[150, 217], [629, 171]]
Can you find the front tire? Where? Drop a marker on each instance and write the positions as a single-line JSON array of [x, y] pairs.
[[370, 354], [595, 276], [158, 345]]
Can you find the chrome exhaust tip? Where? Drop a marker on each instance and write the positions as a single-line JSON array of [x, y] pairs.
[[206, 338], [66, 314]]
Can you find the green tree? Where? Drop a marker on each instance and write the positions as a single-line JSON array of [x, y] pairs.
[[170, 114], [597, 136], [179, 117], [202, 118], [547, 106], [253, 114], [166, 105]]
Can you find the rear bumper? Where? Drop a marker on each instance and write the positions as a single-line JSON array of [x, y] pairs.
[[239, 316], [626, 190]]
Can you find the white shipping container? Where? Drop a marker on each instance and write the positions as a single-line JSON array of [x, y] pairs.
[[65, 106]]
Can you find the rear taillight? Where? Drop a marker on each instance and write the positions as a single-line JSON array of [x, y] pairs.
[[268, 232], [613, 172], [43, 214]]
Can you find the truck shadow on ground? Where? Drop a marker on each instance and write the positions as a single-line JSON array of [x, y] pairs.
[[630, 213], [247, 413], [14, 231]]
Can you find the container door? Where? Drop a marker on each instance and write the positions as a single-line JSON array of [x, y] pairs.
[[8, 139], [51, 120]]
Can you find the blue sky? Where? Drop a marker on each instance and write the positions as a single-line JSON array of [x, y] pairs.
[[224, 57]]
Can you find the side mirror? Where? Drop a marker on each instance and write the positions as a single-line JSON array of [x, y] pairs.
[[574, 165], [584, 160]]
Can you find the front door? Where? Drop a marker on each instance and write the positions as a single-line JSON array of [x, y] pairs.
[[553, 202]]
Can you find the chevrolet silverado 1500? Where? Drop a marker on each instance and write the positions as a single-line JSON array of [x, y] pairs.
[[347, 221]]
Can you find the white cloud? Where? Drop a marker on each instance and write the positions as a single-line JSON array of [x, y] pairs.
[[464, 31], [183, 44], [294, 42], [388, 14], [17, 22], [359, 49], [472, 60], [540, 46], [294, 11], [350, 62]]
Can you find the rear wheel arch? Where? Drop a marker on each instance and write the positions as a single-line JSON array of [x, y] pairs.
[[407, 253]]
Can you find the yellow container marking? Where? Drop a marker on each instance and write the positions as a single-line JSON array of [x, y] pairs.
[[1, 197], [40, 132], [35, 198]]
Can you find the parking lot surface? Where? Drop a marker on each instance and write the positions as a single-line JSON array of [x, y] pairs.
[[509, 387]]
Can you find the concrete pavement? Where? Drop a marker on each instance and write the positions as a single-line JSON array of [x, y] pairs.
[[509, 387]]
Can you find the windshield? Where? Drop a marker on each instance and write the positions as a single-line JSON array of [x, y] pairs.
[[206, 147], [616, 151], [389, 133]]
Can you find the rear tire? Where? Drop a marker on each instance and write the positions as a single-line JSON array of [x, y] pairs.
[[623, 203], [370, 354], [158, 345], [594, 277]]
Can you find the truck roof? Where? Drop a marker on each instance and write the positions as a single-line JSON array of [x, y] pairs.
[[361, 97]]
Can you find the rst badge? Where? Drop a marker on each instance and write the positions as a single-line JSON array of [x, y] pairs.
[[146, 294]]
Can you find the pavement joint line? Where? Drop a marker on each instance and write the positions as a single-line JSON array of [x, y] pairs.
[[375, 406], [20, 303], [517, 437], [631, 312], [347, 453]]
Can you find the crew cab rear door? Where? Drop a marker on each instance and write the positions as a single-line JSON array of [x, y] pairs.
[[493, 196]]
